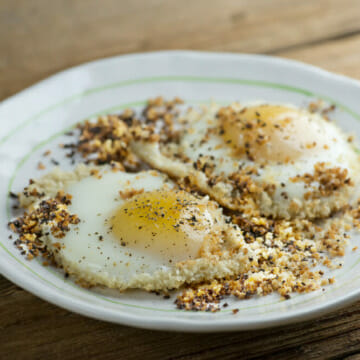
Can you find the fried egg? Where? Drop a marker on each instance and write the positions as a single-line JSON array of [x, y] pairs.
[[283, 160], [141, 231]]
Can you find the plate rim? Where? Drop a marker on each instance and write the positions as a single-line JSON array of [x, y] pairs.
[[82, 307]]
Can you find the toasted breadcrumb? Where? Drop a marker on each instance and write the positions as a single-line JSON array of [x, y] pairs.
[[41, 166], [30, 226], [107, 139], [128, 194]]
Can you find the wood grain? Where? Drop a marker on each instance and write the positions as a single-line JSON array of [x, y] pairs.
[[30, 327], [38, 38], [340, 56]]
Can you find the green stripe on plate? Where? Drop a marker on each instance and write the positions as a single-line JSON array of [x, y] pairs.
[[214, 80]]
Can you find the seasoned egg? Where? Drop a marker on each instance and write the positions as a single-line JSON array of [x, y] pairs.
[[287, 161], [141, 231]]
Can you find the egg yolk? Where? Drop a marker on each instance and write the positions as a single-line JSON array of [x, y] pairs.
[[269, 132], [169, 225]]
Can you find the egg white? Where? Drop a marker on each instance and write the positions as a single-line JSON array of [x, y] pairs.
[[338, 153]]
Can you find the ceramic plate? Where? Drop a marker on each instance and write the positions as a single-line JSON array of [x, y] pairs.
[[36, 119]]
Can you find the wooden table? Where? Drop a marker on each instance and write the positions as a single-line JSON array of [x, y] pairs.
[[41, 37]]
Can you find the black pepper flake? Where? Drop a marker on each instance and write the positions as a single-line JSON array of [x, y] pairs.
[[13, 195]]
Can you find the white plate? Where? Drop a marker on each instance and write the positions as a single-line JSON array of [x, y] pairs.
[[33, 121]]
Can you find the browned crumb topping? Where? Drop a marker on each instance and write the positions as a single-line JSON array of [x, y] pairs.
[[29, 227], [329, 179], [243, 182], [245, 190], [28, 192], [158, 121], [355, 215], [128, 194], [159, 108], [41, 166], [107, 139], [290, 254], [321, 108]]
